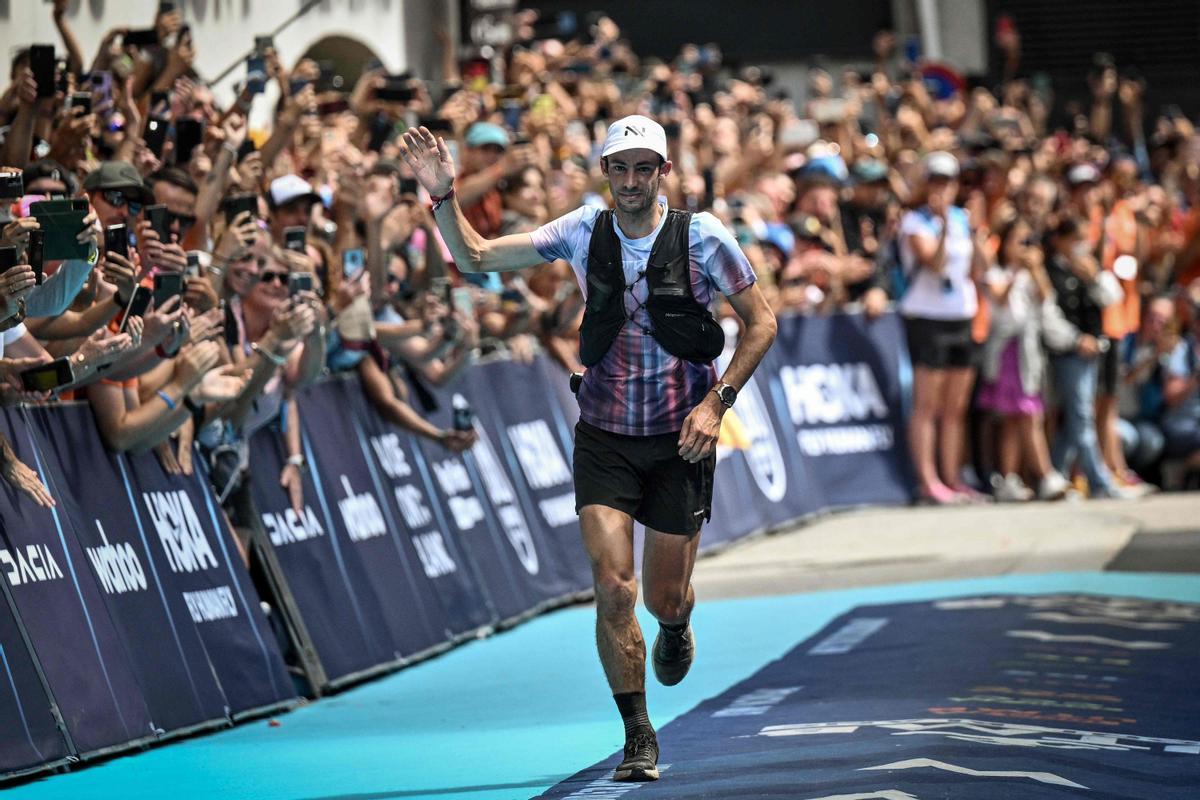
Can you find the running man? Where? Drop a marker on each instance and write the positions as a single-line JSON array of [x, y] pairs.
[[650, 401]]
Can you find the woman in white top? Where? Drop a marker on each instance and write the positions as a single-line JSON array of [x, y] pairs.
[[942, 261]]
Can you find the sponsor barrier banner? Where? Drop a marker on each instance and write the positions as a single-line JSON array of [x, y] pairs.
[[137, 608], [1013, 696], [98, 507], [401, 545], [210, 615], [197, 559], [524, 458], [320, 566], [421, 586], [28, 735], [58, 597], [838, 380]]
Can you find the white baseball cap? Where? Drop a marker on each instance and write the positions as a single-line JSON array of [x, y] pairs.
[[287, 188], [1081, 174], [635, 132], [941, 164]]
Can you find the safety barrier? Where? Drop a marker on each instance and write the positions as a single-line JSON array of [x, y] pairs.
[[129, 616]]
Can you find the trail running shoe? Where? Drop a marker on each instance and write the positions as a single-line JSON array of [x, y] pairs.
[[673, 655], [641, 758]]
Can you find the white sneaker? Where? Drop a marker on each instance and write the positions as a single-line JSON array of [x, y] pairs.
[[1053, 486], [1117, 493], [1010, 489]]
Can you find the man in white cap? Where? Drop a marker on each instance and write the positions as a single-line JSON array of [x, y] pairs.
[[650, 402], [290, 201]]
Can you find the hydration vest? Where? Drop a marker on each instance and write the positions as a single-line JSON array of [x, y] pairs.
[[679, 323]]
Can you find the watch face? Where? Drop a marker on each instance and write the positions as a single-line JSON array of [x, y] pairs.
[[728, 394]]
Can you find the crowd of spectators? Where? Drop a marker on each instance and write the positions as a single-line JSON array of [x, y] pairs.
[[1045, 256]]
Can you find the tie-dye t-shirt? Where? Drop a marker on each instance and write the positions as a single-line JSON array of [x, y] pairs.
[[638, 388]]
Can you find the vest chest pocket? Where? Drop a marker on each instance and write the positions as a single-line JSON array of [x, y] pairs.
[[598, 290]]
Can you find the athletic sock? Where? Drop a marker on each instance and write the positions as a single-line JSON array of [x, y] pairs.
[[632, 706], [675, 629]]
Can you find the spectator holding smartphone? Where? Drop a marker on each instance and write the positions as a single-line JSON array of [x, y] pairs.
[[942, 261]]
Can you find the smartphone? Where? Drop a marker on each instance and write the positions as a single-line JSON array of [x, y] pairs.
[[193, 265], [137, 305], [62, 220], [511, 299], [394, 92], [189, 133], [158, 99], [512, 110], [36, 254], [353, 262], [146, 37], [299, 282], [828, 110], [460, 300], [296, 85], [333, 107], [41, 61], [116, 240], [48, 377], [81, 100], [237, 203], [408, 186], [256, 74], [294, 239], [156, 215], [262, 44], [441, 287], [381, 130], [155, 135], [12, 185], [328, 79], [436, 125], [247, 147], [101, 83], [166, 286], [8, 257]]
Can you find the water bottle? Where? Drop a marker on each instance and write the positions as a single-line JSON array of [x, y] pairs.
[[463, 416]]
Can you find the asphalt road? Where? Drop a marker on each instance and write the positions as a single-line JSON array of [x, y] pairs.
[[883, 546]]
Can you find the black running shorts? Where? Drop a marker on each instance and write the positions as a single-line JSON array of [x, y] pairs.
[[940, 343], [645, 477]]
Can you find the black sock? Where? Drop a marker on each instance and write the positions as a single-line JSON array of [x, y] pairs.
[[632, 706], [680, 628]]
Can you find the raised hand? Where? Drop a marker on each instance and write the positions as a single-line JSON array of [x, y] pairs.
[[429, 159], [21, 477], [222, 384]]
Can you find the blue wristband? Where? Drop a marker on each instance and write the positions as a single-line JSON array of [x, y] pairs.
[[166, 398]]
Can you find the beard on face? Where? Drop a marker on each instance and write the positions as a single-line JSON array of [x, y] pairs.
[[639, 203]]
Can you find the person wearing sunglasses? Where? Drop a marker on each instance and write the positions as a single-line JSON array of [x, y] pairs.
[[116, 191], [176, 189]]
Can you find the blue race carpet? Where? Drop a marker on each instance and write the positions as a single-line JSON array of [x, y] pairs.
[[514, 715]]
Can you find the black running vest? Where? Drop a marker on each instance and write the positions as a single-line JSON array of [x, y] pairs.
[[679, 323]]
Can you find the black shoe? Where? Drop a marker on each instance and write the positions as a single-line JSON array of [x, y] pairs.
[[641, 758], [673, 655]]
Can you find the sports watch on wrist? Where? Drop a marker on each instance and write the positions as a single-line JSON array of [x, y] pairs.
[[726, 393]]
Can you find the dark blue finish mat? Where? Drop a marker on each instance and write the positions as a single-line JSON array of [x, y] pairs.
[[999, 696]]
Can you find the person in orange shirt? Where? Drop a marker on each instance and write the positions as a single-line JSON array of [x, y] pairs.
[[1112, 232]]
